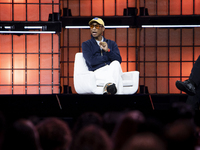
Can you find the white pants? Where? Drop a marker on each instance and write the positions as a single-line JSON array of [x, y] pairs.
[[111, 73]]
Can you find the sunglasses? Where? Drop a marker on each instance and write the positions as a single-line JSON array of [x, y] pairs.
[[97, 26]]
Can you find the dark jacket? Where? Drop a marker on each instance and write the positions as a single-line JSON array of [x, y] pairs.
[[95, 58]]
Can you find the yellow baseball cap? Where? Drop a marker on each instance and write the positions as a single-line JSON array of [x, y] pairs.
[[98, 20]]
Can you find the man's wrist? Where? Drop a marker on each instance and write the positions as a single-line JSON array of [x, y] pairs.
[[108, 50]]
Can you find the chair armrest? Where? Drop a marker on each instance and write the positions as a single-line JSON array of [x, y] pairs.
[[85, 82], [133, 77]]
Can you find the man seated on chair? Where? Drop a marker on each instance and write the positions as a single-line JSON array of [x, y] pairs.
[[103, 57]]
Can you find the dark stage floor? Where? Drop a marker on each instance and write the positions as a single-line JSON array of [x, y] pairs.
[[72, 105]]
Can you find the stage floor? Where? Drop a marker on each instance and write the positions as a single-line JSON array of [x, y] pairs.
[[74, 104], [70, 106]]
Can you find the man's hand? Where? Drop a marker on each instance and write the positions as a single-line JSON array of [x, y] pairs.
[[104, 46]]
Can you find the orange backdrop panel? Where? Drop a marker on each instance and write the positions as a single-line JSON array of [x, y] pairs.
[[162, 37], [109, 7], [45, 77], [56, 89], [72, 52], [110, 34], [150, 69], [56, 61], [196, 52], [32, 77], [45, 11], [187, 36], [45, 90], [19, 44], [124, 66], [32, 90], [5, 76], [33, 12], [172, 87], [131, 66], [187, 53], [187, 7], [174, 37], [121, 35], [74, 38], [46, 1], [55, 77], [174, 69], [131, 54], [19, 90], [174, 54], [32, 44], [74, 6], [162, 7], [131, 36], [162, 53], [150, 54], [186, 68], [85, 7], [45, 43], [197, 36], [150, 4], [32, 61], [19, 76], [175, 7], [162, 69], [123, 52], [19, 12], [197, 6], [5, 12], [151, 84], [19, 61], [5, 89], [5, 48], [5, 61], [56, 9], [19, 1], [55, 43], [32, 1], [45, 61], [121, 4], [97, 8], [162, 82]]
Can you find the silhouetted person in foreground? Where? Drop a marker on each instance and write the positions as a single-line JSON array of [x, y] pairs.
[[54, 134], [22, 135], [181, 135], [92, 138], [144, 141], [88, 118], [126, 128]]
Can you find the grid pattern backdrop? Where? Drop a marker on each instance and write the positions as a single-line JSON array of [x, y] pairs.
[[161, 55], [29, 64]]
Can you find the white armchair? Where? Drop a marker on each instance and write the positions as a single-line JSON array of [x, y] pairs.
[[85, 82]]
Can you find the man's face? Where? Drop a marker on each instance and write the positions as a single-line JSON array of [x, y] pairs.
[[96, 29]]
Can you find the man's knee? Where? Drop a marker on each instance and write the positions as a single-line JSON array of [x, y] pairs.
[[115, 63]]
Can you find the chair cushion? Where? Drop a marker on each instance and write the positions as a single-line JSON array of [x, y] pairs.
[[125, 83]]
